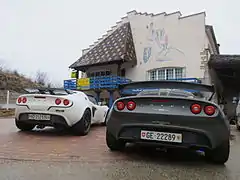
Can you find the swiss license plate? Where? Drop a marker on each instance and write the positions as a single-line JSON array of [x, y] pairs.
[[161, 136], [39, 117]]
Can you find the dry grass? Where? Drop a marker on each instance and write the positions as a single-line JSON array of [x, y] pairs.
[[14, 82], [6, 113]]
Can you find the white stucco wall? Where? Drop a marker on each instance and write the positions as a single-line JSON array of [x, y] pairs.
[[205, 55], [185, 38], [183, 42]]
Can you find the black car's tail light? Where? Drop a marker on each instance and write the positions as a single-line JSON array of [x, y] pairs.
[[131, 105], [120, 105], [209, 110], [24, 100], [196, 108], [66, 102], [58, 101]]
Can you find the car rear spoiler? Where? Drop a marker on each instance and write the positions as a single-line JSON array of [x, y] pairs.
[[44, 90], [138, 86]]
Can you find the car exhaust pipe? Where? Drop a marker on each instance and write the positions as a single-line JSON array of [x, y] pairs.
[[40, 126]]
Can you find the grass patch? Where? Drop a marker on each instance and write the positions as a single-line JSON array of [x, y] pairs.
[[7, 113]]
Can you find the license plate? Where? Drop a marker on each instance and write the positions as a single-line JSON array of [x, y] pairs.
[[161, 136], [39, 117]]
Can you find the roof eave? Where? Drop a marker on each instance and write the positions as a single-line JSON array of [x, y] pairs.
[[213, 37], [84, 67]]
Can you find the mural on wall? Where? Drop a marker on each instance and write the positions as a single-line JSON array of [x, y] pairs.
[[159, 47]]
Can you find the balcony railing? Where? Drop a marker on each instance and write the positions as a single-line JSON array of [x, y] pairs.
[[106, 82], [99, 82]]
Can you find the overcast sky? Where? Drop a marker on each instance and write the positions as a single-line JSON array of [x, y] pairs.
[[48, 35]]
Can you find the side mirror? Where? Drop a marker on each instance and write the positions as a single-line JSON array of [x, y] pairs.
[[99, 103]]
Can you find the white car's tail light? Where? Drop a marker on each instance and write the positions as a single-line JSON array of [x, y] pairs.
[[24, 100], [19, 100], [66, 102], [58, 101]]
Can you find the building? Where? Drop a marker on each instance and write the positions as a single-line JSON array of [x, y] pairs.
[[145, 46], [224, 70]]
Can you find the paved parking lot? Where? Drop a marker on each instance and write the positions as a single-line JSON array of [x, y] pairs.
[[60, 155]]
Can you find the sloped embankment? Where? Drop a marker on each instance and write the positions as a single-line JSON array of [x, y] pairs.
[[14, 83]]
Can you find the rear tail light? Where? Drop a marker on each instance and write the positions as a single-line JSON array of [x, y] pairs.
[[120, 105], [196, 108], [66, 102], [19, 100], [58, 101], [209, 110], [131, 105], [24, 99]]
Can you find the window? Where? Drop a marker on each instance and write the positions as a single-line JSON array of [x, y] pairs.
[[123, 72], [99, 73], [178, 73], [92, 99], [166, 74], [169, 74], [153, 75], [166, 92], [149, 93], [161, 74]]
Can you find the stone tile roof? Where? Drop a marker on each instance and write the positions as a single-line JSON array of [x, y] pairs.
[[117, 47]]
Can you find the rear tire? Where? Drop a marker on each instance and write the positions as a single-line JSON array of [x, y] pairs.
[[24, 126], [105, 122], [238, 124], [82, 127], [114, 144], [220, 154]]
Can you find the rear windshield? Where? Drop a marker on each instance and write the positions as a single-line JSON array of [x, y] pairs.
[[171, 92]]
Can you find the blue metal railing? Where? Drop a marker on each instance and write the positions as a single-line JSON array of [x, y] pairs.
[[99, 82]]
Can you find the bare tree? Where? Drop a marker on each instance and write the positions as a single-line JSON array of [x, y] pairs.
[[2, 65], [54, 85], [41, 78]]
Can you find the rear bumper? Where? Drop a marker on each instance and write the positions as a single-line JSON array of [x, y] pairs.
[[58, 115], [55, 121], [196, 131], [191, 137]]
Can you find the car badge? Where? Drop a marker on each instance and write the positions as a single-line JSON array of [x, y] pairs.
[[160, 109], [161, 122]]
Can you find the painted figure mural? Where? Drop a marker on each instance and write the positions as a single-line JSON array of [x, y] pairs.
[[158, 45]]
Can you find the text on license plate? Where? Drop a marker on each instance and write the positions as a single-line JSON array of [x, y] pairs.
[[161, 136], [39, 116]]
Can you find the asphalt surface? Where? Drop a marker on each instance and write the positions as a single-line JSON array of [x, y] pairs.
[[50, 155]]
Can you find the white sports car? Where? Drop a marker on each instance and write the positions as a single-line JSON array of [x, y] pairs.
[[58, 108]]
